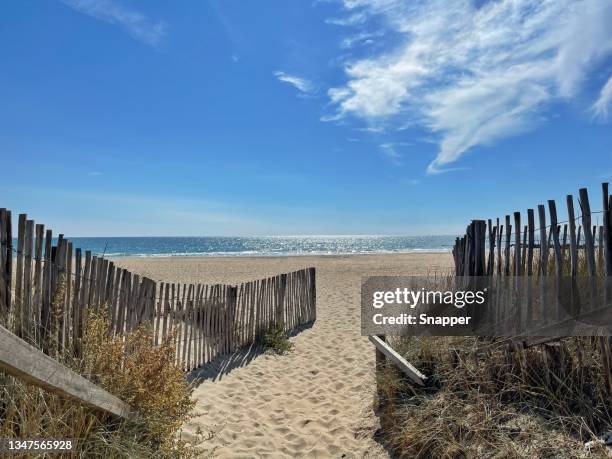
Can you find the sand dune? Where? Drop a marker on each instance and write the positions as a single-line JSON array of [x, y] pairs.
[[314, 402]]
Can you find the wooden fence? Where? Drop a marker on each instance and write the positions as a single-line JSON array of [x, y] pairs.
[[47, 290], [489, 249]]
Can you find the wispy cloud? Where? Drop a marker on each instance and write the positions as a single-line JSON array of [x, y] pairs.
[[135, 23], [603, 103], [470, 75], [389, 150], [356, 18], [95, 173], [361, 38], [301, 84]]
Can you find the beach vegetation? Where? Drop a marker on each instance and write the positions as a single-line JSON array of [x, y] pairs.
[[545, 401], [129, 367], [276, 340]]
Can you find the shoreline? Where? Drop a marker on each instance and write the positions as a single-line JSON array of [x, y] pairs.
[[274, 256], [234, 270]]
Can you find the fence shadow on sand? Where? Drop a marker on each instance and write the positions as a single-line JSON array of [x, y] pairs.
[[222, 365]]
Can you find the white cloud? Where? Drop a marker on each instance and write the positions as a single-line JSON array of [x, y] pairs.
[[389, 150], [135, 23], [356, 18], [601, 106], [474, 75], [301, 84], [362, 38]]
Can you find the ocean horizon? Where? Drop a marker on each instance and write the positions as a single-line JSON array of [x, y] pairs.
[[225, 246]]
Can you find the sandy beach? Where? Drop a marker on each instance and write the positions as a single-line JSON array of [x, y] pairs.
[[315, 401]]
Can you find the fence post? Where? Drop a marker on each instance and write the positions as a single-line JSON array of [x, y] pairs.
[[500, 230], [572, 236], [507, 247], [517, 244], [313, 294], [552, 208], [531, 236], [233, 301], [479, 247], [18, 305], [5, 266], [280, 304], [490, 258], [543, 241], [588, 235]]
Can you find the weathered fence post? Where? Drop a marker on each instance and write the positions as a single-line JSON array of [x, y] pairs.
[[531, 235], [6, 273], [588, 235], [479, 247], [280, 305], [18, 305], [490, 258], [500, 229], [552, 208], [572, 236], [517, 244], [524, 251], [507, 247], [543, 241]]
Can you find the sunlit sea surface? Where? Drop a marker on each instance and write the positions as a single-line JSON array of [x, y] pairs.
[[260, 246]]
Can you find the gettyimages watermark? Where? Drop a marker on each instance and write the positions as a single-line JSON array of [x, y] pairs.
[[486, 306]]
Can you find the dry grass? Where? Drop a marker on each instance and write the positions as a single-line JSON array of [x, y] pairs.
[[543, 402], [142, 375]]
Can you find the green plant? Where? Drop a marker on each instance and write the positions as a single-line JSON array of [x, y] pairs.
[[276, 340]]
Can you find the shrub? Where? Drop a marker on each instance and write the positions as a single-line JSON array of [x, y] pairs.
[[276, 340], [143, 376], [129, 367]]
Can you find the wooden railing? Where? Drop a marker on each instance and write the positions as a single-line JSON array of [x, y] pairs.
[[19, 359]]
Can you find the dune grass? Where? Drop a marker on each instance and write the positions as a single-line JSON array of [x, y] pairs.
[[543, 402], [130, 367], [499, 401]]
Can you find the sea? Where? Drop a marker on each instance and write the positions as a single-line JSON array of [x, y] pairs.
[[260, 245]]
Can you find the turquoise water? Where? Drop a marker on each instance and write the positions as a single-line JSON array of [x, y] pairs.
[[260, 246]]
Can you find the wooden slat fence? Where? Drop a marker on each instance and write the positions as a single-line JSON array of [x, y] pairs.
[[561, 249], [558, 248], [48, 286]]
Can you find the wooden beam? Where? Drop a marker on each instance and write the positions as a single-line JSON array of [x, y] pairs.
[[415, 375], [25, 362]]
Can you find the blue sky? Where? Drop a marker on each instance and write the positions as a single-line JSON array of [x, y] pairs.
[[243, 117]]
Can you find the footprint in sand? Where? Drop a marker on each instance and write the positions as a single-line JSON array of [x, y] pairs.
[[316, 401]]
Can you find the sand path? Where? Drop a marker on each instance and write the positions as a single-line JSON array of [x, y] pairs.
[[314, 402]]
